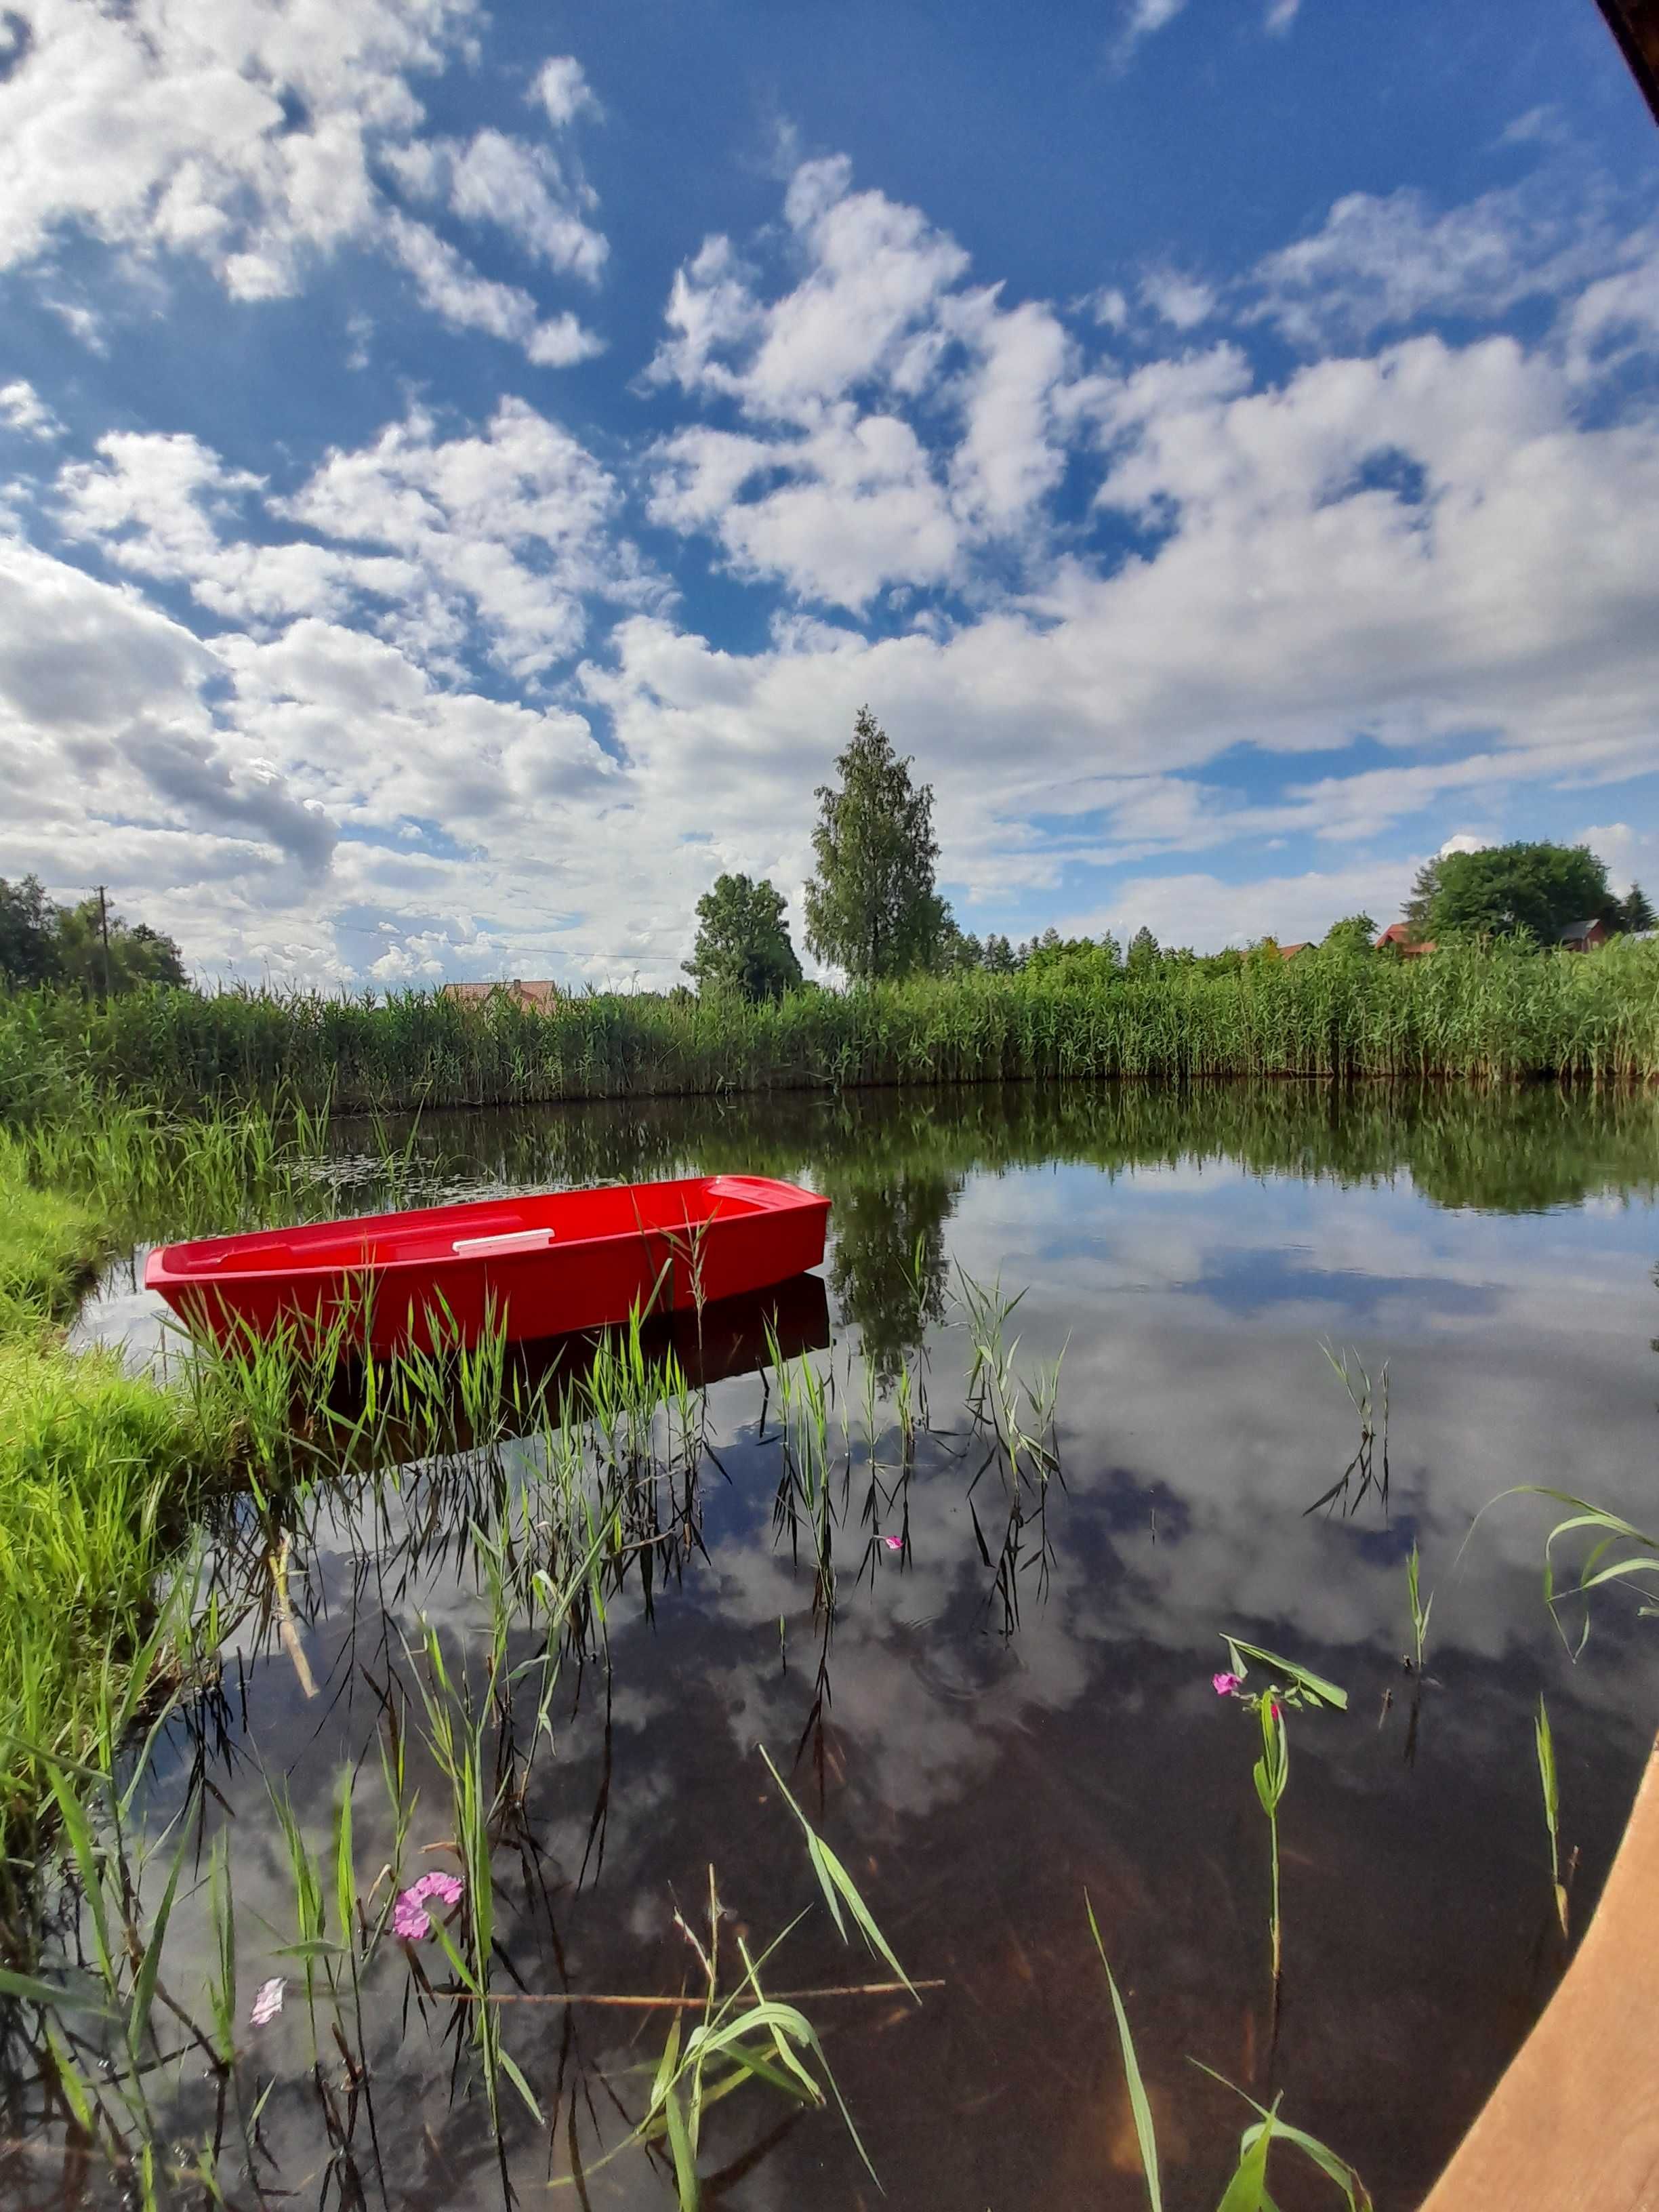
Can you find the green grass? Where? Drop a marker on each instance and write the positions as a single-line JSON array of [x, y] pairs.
[[1499, 1015], [100, 1471], [50, 1243]]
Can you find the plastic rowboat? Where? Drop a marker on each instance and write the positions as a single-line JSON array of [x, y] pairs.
[[539, 1266]]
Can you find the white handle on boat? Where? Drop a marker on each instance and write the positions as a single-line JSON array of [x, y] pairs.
[[505, 1240]]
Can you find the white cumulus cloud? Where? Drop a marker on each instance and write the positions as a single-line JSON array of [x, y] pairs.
[[255, 140], [23, 409]]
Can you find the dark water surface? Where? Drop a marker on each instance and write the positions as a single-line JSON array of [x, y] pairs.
[[983, 1739]]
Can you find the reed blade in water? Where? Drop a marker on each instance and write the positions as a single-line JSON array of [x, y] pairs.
[[1140, 2107], [1246, 2191], [1544, 1740], [1636, 1561], [837, 1884], [1420, 1611]]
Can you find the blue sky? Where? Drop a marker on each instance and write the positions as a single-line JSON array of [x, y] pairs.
[[460, 473]]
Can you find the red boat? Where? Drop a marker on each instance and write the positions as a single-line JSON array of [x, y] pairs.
[[539, 1266]]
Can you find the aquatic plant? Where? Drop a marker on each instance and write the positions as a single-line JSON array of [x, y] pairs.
[[837, 1884], [1369, 1403], [1420, 1609], [1246, 2191], [1289, 1684], [743, 2035], [1544, 1744]]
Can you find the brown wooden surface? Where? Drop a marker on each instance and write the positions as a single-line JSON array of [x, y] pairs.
[[1574, 2123]]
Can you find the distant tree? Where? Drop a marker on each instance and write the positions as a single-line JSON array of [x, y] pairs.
[[1355, 933], [955, 952], [742, 941], [1077, 959], [1144, 955], [137, 953], [1635, 911], [1538, 887], [1424, 890], [29, 934], [1000, 959], [150, 957], [871, 908]]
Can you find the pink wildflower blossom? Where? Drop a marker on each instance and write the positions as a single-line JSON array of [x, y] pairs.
[[1226, 1685], [894, 1543], [409, 1920], [268, 2003]]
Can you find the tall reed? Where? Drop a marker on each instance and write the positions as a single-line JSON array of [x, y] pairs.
[[1497, 1014]]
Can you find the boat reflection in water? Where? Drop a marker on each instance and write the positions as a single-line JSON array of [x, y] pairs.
[[728, 1337]]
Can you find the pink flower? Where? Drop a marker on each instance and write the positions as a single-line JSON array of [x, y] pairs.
[[894, 1543], [268, 2003], [1225, 1686], [409, 1921], [1272, 1707]]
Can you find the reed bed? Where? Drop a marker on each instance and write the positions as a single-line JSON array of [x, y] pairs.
[[1491, 1014]]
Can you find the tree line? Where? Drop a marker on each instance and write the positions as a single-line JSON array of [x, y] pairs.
[[872, 909], [84, 946]]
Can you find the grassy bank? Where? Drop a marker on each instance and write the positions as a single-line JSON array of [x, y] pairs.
[[1496, 1015], [102, 1474], [96, 1470]]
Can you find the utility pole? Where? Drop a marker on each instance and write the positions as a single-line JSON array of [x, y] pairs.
[[103, 931]]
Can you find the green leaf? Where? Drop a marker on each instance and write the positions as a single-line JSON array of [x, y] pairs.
[[1545, 1740], [35, 1991], [1325, 2159], [1247, 2189], [345, 1882], [1146, 2133], [1289, 1674], [838, 1884], [143, 1987], [684, 2156], [87, 1866], [510, 2068], [69, 2078], [667, 2066], [447, 1942]]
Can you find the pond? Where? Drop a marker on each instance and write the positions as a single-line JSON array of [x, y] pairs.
[[987, 1685]]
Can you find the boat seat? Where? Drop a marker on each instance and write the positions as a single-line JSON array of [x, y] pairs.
[[503, 1240]]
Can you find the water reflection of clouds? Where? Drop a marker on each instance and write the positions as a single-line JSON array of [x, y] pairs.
[[1518, 1350], [976, 1782]]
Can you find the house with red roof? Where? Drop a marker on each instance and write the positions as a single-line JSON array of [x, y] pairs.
[[1397, 937]]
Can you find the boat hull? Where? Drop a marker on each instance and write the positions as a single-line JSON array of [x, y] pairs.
[[538, 1265]]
